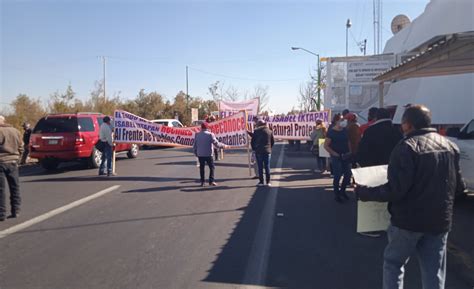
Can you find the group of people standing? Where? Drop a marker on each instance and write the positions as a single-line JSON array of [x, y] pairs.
[[423, 175], [352, 145], [206, 148]]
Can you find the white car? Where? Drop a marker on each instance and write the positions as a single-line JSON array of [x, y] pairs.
[[465, 142], [171, 122]]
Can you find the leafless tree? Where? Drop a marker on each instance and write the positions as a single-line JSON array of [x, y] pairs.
[[261, 92], [231, 93], [219, 91], [308, 95], [216, 91]]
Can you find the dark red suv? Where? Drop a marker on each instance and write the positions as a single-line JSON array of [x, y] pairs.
[[69, 137]]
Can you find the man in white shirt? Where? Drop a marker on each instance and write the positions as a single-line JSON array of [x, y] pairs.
[[105, 136]]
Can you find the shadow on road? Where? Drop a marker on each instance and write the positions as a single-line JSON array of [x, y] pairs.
[[193, 163], [314, 244]]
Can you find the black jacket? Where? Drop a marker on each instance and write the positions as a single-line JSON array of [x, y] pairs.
[[377, 143], [262, 140], [26, 136], [423, 178]]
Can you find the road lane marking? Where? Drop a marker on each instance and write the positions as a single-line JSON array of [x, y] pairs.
[[256, 271], [55, 212]]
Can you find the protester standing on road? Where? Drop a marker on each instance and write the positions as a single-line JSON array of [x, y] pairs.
[[378, 141], [253, 158], [204, 144], [262, 143], [318, 133], [26, 143], [371, 117], [337, 117], [337, 144], [11, 148], [353, 132], [105, 136], [216, 150], [423, 178]]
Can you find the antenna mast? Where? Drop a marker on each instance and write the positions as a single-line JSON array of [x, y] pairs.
[[377, 26]]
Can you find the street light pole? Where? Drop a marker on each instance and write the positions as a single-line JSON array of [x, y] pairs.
[[348, 25], [187, 89], [318, 103]]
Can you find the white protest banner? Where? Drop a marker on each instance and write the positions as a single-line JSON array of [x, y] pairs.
[[231, 130], [295, 126], [227, 108], [371, 216], [194, 114], [130, 128]]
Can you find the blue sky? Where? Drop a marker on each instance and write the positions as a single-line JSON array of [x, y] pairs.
[[45, 45]]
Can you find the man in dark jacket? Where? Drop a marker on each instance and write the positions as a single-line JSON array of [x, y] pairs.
[[378, 141], [11, 148], [26, 143], [262, 143], [423, 178]]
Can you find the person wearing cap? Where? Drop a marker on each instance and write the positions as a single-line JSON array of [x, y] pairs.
[[262, 143], [11, 148], [26, 142], [353, 132], [345, 111], [253, 158], [204, 142], [105, 136]]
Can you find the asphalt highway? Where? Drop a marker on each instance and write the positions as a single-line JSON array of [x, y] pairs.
[[153, 226]]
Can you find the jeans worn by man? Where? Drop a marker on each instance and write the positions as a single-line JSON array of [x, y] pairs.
[[9, 172], [431, 251], [106, 160], [11, 148], [202, 166], [423, 178], [263, 162], [262, 143], [204, 143]]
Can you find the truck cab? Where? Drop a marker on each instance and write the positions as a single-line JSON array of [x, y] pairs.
[[465, 141]]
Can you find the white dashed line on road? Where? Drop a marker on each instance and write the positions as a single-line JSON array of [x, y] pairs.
[[55, 212], [257, 264]]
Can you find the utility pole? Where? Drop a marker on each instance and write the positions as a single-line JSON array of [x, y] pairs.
[[348, 25], [103, 63], [187, 91], [378, 14], [318, 105]]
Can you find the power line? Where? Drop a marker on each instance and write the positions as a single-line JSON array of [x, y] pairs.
[[243, 78]]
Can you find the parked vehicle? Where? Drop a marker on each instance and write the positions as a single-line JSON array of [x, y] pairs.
[[464, 138], [60, 138], [197, 122], [171, 122]]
